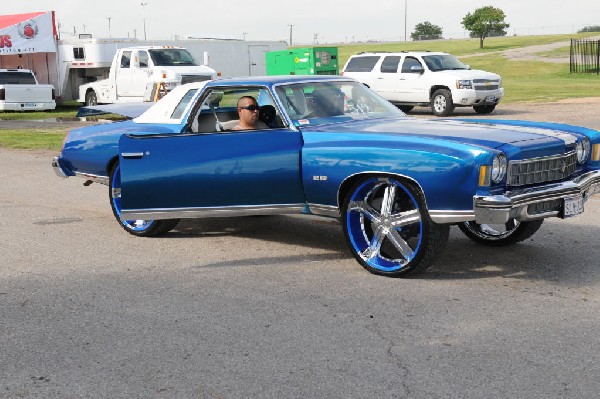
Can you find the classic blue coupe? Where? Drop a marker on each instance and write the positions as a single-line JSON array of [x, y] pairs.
[[332, 147]]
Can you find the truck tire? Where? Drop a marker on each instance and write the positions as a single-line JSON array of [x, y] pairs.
[[441, 103], [91, 98], [405, 108]]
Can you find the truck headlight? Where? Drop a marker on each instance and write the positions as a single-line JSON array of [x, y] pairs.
[[499, 166], [583, 150], [464, 84]]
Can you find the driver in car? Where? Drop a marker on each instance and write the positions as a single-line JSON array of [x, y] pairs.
[[249, 113]]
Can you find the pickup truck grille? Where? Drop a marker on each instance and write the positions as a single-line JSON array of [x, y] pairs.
[[540, 170], [194, 78], [485, 84]]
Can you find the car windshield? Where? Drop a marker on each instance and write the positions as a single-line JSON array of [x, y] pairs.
[[172, 57], [443, 62], [314, 103]]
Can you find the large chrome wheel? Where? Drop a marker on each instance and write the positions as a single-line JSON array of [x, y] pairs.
[[388, 229], [498, 235], [441, 103], [142, 228]]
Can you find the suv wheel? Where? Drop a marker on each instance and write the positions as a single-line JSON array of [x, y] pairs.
[[441, 103]]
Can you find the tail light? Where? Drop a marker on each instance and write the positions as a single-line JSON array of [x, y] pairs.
[[53, 95], [2, 95]]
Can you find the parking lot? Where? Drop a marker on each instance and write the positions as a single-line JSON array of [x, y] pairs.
[[276, 307]]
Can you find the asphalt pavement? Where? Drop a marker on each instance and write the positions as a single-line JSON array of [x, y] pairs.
[[276, 307]]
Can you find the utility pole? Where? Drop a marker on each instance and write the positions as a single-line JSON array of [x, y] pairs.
[[109, 35], [144, 17], [405, 9], [315, 38], [244, 34], [291, 29]]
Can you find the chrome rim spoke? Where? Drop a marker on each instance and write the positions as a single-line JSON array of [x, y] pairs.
[[375, 245], [405, 218], [401, 245], [366, 210]]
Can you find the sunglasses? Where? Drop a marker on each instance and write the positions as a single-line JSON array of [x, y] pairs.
[[251, 107]]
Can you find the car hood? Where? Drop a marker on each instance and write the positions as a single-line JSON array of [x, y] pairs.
[[508, 138], [470, 74]]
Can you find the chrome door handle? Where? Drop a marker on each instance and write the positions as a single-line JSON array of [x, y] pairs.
[[133, 155]]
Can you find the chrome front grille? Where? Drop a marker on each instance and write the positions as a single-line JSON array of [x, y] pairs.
[[540, 170], [194, 78], [485, 84]]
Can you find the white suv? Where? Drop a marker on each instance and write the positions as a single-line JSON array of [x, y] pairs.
[[424, 78]]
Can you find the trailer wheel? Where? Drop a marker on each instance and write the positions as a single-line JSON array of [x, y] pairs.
[[90, 98]]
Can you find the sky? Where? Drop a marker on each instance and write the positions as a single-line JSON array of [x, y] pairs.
[[313, 21]]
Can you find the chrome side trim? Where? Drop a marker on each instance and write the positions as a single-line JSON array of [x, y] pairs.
[[513, 204], [207, 212], [95, 178], [324, 210], [451, 216]]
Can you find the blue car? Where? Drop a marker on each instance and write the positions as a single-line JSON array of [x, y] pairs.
[[329, 146]]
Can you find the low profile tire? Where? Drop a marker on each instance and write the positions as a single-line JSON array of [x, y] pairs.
[[406, 108], [484, 109], [140, 228], [91, 98], [441, 103], [388, 229], [500, 235]]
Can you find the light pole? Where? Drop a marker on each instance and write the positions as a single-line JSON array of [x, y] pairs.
[[144, 18], [405, 8], [244, 34], [108, 26], [291, 28]]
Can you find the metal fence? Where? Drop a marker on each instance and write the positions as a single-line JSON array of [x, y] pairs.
[[585, 56]]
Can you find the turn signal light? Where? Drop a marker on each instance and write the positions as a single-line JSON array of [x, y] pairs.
[[596, 152], [484, 176]]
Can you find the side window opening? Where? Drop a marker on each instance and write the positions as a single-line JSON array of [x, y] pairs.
[[126, 59], [390, 64], [408, 63]]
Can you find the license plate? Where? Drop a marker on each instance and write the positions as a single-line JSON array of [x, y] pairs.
[[29, 105], [573, 206], [490, 99]]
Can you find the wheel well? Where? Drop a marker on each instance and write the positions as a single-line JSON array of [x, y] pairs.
[[434, 88], [111, 164], [89, 90], [351, 180]]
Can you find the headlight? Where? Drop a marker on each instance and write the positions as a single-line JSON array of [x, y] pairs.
[[464, 84], [499, 166], [583, 150]]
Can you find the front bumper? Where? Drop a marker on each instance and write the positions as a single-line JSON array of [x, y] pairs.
[[59, 169], [470, 97], [534, 203]]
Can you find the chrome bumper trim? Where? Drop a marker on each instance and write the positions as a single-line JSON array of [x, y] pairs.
[[58, 169], [95, 178], [513, 204], [449, 216], [197, 213]]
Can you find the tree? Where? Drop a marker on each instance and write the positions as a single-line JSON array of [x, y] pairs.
[[593, 28], [484, 21], [426, 31]]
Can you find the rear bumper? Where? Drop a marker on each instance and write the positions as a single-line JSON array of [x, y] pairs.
[[25, 106], [535, 203]]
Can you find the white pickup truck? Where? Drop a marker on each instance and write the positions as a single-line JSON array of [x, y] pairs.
[[136, 71], [20, 91], [425, 78]]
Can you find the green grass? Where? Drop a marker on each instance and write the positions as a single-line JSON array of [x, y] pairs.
[[537, 81], [66, 111], [32, 139], [457, 47]]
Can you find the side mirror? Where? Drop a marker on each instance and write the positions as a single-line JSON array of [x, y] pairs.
[[467, 66], [214, 98], [416, 69]]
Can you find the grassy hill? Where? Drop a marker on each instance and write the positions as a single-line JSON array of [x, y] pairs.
[[522, 80]]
